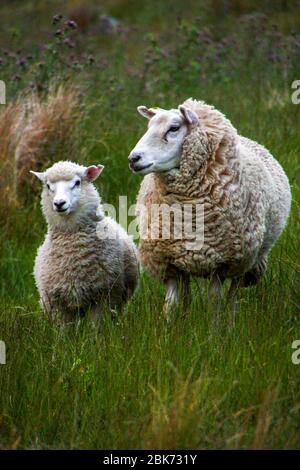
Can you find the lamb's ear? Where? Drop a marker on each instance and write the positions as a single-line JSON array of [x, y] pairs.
[[39, 175], [92, 172], [189, 115], [146, 112]]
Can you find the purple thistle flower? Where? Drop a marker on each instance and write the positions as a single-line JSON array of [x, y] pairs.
[[72, 24], [218, 59], [21, 62], [56, 19]]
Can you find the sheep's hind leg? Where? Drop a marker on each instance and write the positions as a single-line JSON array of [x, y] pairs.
[[215, 291], [171, 299], [232, 298], [215, 294], [98, 313]]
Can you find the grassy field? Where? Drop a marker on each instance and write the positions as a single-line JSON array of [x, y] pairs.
[[139, 382]]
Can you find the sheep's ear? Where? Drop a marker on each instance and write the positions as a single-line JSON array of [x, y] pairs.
[[146, 112], [39, 175], [92, 172], [189, 115]]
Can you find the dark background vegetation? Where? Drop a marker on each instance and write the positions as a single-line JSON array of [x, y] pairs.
[[75, 72]]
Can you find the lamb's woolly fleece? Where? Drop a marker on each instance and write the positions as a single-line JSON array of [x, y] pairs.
[[75, 269], [246, 198]]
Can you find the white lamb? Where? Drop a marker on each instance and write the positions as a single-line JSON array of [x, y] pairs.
[[193, 155], [87, 259]]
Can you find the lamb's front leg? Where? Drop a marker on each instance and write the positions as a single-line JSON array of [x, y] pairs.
[[171, 299]]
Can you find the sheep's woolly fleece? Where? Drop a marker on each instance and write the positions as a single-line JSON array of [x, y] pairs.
[[245, 194], [75, 269]]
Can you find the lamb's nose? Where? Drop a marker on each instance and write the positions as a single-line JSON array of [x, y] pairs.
[[134, 157], [59, 204]]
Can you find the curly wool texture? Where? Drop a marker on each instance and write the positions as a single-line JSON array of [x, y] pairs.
[[76, 267], [246, 198]]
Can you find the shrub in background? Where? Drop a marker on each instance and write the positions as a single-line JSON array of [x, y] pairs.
[[36, 131]]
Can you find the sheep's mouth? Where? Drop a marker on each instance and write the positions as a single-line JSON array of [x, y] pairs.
[[62, 211], [138, 169]]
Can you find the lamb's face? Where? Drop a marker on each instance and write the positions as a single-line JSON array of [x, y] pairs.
[[64, 195], [160, 149], [67, 189]]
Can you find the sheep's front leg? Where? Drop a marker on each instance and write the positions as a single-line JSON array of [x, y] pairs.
[[215, 293], [186, 291], [171, 299], [232, 298], [96, 313]]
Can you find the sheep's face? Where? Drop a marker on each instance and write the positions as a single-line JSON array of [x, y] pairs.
[[65, 191], [64, 195], [160, 149]]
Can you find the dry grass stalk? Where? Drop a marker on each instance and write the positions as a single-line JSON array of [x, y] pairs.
[[35, 132]]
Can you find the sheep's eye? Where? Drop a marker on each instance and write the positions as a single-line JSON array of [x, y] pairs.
[[77, 183], [48, 186], [174, 129]]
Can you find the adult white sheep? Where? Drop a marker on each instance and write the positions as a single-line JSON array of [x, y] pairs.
[[87, 259], [193, 155]]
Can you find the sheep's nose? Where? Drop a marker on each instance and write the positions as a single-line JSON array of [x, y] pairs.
[[59, 204], [134, 157]]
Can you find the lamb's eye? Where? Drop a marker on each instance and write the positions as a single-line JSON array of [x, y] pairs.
[[48, 186], [174, 129], [77, 183]]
